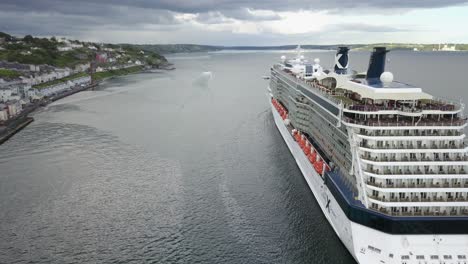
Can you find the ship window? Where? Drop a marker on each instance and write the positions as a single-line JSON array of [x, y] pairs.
[[447, 257], [461, 257], [434, 257], [419, 257], [390, 255], [374, 249], [405, 257]]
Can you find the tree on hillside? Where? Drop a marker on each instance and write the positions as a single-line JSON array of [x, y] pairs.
[[6, 36], [28, 39]]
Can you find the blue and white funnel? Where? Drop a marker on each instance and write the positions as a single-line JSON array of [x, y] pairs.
[[341, 60], [376, 64]]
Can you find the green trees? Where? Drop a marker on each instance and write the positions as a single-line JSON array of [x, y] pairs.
[[28, 39]]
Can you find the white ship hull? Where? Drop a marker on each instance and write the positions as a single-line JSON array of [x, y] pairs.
[[367, 245]]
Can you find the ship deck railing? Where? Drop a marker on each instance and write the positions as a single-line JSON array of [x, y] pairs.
[[416, 185], [409, 159], [422, 212], [414, 199], [393, 123], [414, 133], [413, 147], [403, 108], [418, 172]]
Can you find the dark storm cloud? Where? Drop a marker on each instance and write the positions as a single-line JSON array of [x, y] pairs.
[[71, 17], [105, 7]]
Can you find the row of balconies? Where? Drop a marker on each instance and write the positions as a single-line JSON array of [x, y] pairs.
[[398, 211], [417, 171], [412, 145], [428, 199], [414, 184], [433, 105], [415, 133], [407, 158], [374, 122]]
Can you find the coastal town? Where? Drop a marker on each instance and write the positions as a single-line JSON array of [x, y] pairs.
[[37, 71]]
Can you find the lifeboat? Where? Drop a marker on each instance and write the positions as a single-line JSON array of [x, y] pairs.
[[306, 148], [318, 166], [313, 157]]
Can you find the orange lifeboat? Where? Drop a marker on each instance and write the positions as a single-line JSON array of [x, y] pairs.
[[318, 166], [297, 137], [313, 157], [306, 148]]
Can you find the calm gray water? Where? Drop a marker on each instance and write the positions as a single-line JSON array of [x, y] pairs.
[[168, 168]]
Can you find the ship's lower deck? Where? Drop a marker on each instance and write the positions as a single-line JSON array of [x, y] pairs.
[[368, 245]]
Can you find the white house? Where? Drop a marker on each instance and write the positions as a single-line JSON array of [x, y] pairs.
[[5, 94], [3, 114], [76, 46], [34, 68], [65, 48], [82, 67], [14, 108]]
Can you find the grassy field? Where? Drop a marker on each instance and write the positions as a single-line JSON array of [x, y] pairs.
[[5, 73], [111, 73]]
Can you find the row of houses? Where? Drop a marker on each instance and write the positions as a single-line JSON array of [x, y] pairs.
[[118, 67], [59, 88], [15, 95], [37, 74]]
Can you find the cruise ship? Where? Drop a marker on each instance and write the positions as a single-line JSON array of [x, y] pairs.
[[386, 162]]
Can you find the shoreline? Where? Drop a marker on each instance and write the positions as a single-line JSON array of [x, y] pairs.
[[18, 123], [10, 132]]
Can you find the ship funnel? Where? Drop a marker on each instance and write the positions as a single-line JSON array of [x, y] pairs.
[[341, 60], [376, 63]]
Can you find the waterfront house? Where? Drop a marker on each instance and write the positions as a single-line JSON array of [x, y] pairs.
[[14, 108], [3, 114], [81, 67]]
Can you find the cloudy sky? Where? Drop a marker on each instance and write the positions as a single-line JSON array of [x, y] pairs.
[[240, 22]]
